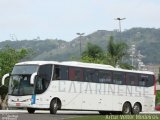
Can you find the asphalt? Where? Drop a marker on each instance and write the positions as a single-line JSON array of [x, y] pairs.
[[42, 115], [45, 115]]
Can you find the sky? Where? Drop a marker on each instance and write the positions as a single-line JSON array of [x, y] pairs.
[[62, 19]]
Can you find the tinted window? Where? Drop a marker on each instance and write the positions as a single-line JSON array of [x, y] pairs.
[[60, 72], [142, 80], [118, 78], [71, 73], [25, 69], [146, 80], [90, 75], [150, 81], [45, 72], [56, 74], [87, 75], [43, 78], [105, 77], [131, 79], [20, 85], [75, 74], [78, 74], [64, 73], [95, 76]]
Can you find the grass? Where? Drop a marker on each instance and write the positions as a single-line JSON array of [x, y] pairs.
[[91, 117], [118, 117]]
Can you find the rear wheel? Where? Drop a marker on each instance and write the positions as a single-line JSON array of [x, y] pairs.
[[126, 110], [136, 108], [31, 110], [54, 106]]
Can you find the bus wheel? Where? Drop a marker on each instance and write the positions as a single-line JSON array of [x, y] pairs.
[[54, 106], [103, 112], [126, 110], [136, 108], [31, 110]]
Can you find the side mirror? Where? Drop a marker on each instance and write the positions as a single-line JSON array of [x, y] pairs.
[[32, 78], [4, 77]]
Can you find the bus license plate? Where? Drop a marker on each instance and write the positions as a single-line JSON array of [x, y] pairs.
[[18, 104]]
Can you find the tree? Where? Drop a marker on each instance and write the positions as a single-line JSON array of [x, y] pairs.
[[112, 56], [159, 76], [93, 54], [8, 58], [115, 52]]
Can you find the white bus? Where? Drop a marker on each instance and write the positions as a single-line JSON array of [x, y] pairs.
[[73, 85]]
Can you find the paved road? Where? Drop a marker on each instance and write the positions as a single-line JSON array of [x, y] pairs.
[[45, 115], [42, 115]]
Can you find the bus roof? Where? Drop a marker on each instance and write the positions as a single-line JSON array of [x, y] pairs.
[[37, 62], [85, 65], [101, 66]]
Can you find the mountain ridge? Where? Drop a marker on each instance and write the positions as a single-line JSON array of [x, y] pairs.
[[147, 40]]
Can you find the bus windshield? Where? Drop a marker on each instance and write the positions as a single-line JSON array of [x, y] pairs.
[[20, 85], [25, 69], [20, 80]]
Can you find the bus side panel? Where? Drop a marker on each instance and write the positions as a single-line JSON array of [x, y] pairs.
[[149, 99], [133, 94], [69, 94], [96, 97]]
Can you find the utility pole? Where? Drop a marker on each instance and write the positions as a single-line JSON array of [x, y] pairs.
[[80, 42], [119, 19]]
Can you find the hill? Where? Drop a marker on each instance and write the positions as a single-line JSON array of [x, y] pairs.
[[147, 40]]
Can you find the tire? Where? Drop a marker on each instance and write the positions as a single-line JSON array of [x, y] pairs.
[[126, 109], [103, 112], [54, 106], [31, 110], [136, 108]]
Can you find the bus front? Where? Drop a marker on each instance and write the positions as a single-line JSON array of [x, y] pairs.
[[21, 92], [26, 85]]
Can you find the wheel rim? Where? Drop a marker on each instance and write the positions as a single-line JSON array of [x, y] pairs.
[[126, 109], [136, 108], [55, 105]]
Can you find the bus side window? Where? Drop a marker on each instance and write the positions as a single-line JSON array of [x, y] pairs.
[[143, 80], [43, 78], [78, 74], [150, 81], [90, 75], [75, 74], [96, 76], [87, 75], [71, 73], [56, 75], [118, 78], [64, 73], [131, 79], [101, 77], [105, 77]]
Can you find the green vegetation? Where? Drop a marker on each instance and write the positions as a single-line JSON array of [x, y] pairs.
[[158, 97], [93, 54], [118, 117], [146, 39], [113, 54], [8, 58], [91, 117]]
